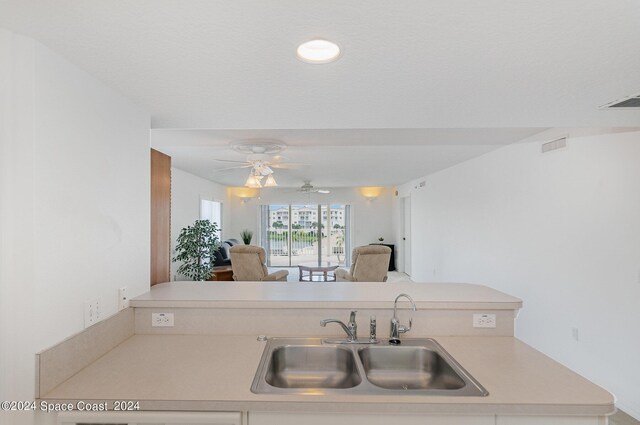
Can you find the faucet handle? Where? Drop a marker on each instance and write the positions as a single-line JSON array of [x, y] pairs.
[[352, 317], [404, 329]]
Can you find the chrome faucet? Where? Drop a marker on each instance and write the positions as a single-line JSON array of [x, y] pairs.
[[350, 328], [396, 327], [372, 329]]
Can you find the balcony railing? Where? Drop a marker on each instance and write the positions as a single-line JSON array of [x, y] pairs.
[[302, 246]]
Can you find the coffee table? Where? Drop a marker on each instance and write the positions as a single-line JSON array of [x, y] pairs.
[[317, 271], [222, 273]]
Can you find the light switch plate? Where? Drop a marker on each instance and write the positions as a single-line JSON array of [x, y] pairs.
[[123, 299]]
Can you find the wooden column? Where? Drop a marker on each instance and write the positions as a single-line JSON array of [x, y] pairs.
[[160, 217]]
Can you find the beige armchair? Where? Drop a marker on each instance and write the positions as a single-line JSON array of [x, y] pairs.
[[248, 263], [368, 264]]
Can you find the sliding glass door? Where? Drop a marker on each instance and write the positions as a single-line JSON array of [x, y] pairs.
[[305, 233]]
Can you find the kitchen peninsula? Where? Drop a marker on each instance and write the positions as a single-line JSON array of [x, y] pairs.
[[206, 361]]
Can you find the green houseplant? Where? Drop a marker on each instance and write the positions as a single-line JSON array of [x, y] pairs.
[[196, 248], [246, 236]]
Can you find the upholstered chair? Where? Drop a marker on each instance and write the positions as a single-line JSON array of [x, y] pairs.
[[248, 263], [368, 264]]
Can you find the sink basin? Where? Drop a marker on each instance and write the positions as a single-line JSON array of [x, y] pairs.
[[408, 368], [312, 367], [308, 366]]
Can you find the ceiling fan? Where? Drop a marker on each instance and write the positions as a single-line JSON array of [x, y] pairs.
[[261, 159], [307, 187]]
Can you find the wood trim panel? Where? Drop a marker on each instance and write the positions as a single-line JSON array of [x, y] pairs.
[[160, 217]]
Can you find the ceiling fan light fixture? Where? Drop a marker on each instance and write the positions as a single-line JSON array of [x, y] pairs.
[[270, 181], [252, 182], [263, 170], [318, 51]]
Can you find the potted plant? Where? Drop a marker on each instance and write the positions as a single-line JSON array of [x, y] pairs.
[[246, 235], [196, 249]]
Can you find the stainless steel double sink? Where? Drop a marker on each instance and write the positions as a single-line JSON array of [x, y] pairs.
[[309, 366]]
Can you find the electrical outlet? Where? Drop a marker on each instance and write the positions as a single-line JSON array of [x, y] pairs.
[[484, 320], [162, 319], [123, 299], [91, 312]]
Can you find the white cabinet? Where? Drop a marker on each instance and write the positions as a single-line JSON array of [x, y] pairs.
[[293, 418], [550, 420], [284, 418], [150, 418], [278, 418]]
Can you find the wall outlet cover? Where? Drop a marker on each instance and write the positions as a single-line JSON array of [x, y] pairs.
[[98, 303], [162, 320], [91, 312], [484, 320]]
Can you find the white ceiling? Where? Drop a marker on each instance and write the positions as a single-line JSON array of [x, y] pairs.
[[498, 68], [337, 158]]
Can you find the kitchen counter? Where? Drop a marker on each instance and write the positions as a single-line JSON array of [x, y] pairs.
[[214, 373], [359, 295]]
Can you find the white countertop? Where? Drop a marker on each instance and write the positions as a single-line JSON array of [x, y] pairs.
[[323, 295], [199, 372]]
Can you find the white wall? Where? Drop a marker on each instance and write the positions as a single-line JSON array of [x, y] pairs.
[[186, 192], [370, 219], [561, 231], [75, 203]]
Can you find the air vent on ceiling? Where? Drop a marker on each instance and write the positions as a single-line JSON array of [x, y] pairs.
[[554, 145], [627, 102]]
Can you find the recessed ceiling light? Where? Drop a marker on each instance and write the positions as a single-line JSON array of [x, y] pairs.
[[318, 51]]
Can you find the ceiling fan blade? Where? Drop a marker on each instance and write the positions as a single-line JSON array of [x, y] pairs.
[[231, 168], [230, 160], [320, 191], [289, 166]]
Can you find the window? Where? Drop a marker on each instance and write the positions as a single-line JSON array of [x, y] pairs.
[[212, 211], [294, 234]]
